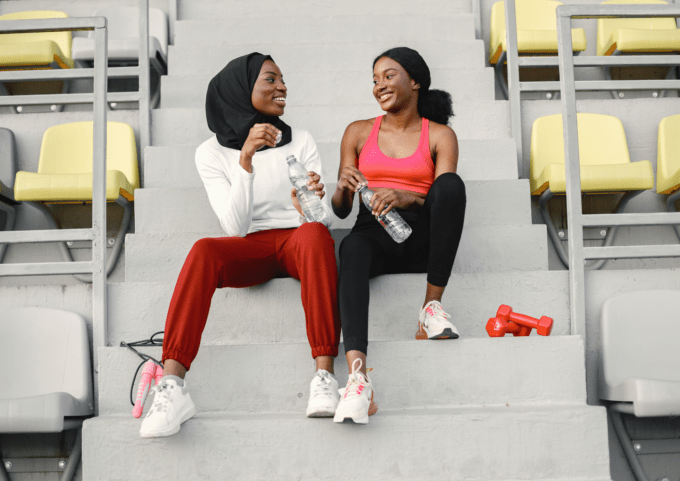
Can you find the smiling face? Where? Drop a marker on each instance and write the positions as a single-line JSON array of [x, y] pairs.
[[269, 92], [392, 85]]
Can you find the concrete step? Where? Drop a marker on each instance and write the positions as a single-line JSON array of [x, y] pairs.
[[211, 9], [318, 56], [328, 88], [492, 159], [502, 202], [500, 443], [302, 28], [327, 123], [272, 312], [159, 256], [472, 372]]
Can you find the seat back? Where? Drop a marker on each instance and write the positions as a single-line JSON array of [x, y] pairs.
[[123, 22], [44, 351], [638, 348], [67, 149], [8, 159], [601, 139], [668, 157], [530, 15], [63, 39], [607, 26]]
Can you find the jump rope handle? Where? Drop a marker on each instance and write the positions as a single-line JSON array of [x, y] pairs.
[[158, 374], [148, 374]]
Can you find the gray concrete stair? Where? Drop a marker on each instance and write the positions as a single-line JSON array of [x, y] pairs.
[[502, 202], [305, 28], [499, 443], [272, 312], [159, 256], [445, 374], [492, 159], [211, 9], [327, 123], [307, 87], [339, 57]]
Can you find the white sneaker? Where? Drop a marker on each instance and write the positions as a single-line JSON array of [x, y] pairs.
[[356, 400], [323, 395], [172, 405], [433, 323]]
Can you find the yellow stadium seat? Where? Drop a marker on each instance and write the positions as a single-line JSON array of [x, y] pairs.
[[617, 36], [668, 162], [536, 32], [605, 165], [38, 50], [65, 172]]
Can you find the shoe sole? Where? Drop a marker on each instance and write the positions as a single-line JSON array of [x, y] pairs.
[[372, 409], [187, 414], [321, 413], [447, 333]]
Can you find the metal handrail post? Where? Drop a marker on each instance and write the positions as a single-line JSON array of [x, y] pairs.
[[476, 13], [144, 85], [99, 300], [573, 177], [513, 83]]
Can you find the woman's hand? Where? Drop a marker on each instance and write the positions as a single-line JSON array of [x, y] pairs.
[[385, 200], [313, 185], [351, 178], [259, 136]]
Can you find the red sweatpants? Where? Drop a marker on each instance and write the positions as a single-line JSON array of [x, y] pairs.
[[306, 253]]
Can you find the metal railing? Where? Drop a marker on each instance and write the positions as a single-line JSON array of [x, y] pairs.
[[96, 234], [514, 62], [578, 254]]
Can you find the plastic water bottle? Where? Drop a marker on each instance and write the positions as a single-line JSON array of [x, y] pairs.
[[392, 221], [309, 201]]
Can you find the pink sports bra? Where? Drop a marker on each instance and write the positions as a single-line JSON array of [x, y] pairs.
[[414, 173]]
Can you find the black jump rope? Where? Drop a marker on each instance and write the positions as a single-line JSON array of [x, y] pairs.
[[152, 341]]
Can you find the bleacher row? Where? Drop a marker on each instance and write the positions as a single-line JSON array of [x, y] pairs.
[[537, 34], [64, 175]]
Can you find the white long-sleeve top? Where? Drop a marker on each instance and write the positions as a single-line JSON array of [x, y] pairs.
[[247, 202]]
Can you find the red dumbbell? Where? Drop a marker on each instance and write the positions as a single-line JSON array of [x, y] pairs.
[[543, 325], [497, 327]]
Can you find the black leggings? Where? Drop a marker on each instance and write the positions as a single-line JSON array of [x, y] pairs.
[[369, 251]]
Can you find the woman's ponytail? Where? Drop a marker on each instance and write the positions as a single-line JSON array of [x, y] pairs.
[[435, 105]]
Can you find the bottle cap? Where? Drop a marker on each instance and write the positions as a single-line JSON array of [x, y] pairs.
[[290, 158]]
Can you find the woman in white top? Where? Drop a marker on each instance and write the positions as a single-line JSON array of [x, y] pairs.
[[244, 170]]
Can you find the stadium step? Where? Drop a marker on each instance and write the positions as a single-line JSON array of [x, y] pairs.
[[307, 87], [272, 312], [211, 9], [339, 57], [492, 159], [442, 374], [301, 28], [158, 256], [498, 443], [327, 123], [499, 202]]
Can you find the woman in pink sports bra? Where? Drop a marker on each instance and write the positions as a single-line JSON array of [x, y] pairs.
[[408, 157]]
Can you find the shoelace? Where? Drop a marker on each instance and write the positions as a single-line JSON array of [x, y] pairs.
[[322, 387], [356, 381], [162, 398], [437, 312]]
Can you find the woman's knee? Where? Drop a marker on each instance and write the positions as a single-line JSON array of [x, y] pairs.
[[449, 186], [315, 236]]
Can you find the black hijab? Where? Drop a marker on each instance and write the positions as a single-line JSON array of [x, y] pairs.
[[228, 104]]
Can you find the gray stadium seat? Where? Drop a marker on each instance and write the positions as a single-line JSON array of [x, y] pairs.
[[49, 387]]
